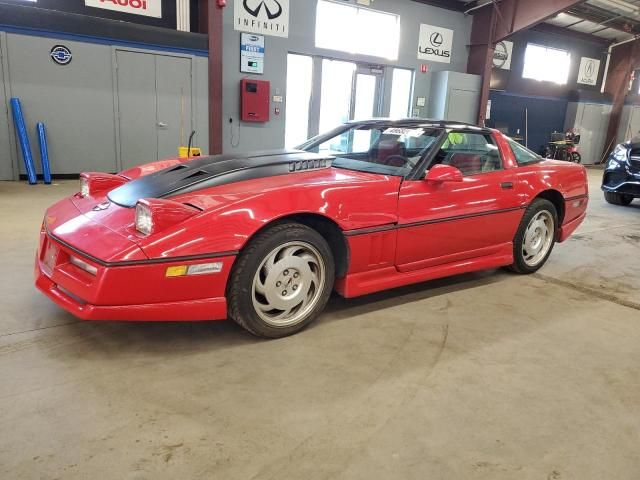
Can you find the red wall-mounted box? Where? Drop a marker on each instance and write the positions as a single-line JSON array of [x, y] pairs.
[[254, 100]]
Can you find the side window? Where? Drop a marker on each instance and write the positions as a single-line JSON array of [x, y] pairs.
[[523, 155], [471, 153]]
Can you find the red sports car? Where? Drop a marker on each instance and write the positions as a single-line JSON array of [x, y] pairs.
[[264, 238]]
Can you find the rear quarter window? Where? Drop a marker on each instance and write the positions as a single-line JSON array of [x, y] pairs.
[[523, 155]]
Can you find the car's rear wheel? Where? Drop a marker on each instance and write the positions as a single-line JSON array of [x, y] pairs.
[[535, 237], [281, 281], [618, 198], [576, 157]]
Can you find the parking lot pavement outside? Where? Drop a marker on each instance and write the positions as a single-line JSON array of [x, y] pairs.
[[482, 376]]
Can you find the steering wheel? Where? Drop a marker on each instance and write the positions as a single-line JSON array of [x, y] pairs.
[[388, 160]]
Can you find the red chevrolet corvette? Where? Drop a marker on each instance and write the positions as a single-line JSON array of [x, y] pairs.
[[264, 238]]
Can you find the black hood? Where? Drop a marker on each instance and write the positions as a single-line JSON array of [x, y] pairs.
[[216, 170]]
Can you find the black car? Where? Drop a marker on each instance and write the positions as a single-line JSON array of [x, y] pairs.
[[621, 180]]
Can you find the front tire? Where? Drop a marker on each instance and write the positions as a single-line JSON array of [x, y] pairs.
[[576, 157], [618, 198], [535, 237], [281, 281]]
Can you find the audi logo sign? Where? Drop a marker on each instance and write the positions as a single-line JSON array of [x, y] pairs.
[[148, 8]]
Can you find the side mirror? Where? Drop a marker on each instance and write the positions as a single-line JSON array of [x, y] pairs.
[[443, 173]]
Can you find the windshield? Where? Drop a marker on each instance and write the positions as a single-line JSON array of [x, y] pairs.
[[388, 150]]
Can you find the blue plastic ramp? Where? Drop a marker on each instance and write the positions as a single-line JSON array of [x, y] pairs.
[[23, 138], [44, 153]]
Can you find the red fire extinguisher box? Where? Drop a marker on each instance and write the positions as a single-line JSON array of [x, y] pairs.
[[254, 100]]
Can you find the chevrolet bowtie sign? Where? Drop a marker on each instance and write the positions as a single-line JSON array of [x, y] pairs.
[[435, 44], [264, 17]]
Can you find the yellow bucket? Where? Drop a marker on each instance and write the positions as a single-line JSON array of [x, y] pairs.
[[183, 152]]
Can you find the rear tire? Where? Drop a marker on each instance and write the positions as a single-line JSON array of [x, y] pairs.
[[618, 198], [535, 237], [281, 281], [576, 157]]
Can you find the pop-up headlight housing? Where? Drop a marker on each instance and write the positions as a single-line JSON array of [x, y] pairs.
[[93, 183], [154, 215]]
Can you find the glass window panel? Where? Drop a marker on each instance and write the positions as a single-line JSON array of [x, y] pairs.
[[335, 101], [546, 64], [352, 29], [401, 93], [299, 84]]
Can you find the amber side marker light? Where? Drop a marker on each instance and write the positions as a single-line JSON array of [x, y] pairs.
[[187, 270]]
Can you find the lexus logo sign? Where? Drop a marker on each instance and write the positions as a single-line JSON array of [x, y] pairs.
[[436, 39], [588, 71], [264, 17], [435, 43]]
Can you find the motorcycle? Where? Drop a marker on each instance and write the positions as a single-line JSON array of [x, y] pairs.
[[563, 146]]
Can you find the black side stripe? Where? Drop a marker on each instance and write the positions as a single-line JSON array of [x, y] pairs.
[[151, 261], [395, 226]]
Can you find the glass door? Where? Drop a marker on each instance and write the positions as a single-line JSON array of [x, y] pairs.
[[348, 92]]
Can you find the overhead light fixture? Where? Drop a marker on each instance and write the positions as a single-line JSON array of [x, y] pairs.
[[619, 4]]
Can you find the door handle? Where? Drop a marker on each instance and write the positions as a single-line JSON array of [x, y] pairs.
[[506, 185], [161, 125]]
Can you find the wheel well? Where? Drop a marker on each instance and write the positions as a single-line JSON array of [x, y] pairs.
[[330, 231], [557, 199]]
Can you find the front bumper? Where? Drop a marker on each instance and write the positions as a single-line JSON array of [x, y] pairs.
[[622, 177], [139, 292]]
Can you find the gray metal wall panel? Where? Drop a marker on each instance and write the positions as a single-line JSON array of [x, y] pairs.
[[302, 40], [201, 103], [173, 88], [136, 93], [78, 103], [6, 159], [74, 101]]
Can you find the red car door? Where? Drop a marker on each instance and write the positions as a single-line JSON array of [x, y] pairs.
[[443, 222]]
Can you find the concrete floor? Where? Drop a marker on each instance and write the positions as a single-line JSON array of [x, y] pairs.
[[483, 376]]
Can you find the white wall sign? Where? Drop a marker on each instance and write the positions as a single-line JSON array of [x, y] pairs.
[[251, 53], [148, 8], [502, 55], [435, 43], [588, 72], [268, 17]]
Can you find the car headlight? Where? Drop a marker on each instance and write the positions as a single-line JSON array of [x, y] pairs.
[[84, 187], [620, 153], [144, 219]]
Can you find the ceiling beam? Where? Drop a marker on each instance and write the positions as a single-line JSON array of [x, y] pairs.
[[454, 5], [517, 15]]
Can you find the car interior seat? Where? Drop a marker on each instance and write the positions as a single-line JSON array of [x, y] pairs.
[[467, 163]]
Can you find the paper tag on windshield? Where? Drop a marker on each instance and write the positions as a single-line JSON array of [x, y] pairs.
[[407, 132]]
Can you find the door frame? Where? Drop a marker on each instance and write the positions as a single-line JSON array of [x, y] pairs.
[[114, 76]]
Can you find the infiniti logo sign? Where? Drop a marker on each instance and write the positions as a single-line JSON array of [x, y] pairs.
[[262, 17], [272, 13]]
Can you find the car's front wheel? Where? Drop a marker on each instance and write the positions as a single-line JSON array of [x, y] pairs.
[[618, 198], [535, 237], [281, 281]]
